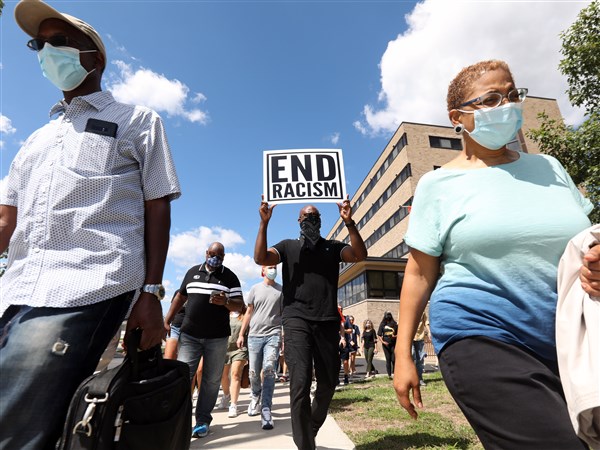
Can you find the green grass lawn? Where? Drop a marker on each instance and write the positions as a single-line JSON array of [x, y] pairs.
[[369, 413]]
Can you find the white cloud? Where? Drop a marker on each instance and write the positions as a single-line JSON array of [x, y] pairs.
[[334, 138], [188, 248], [144, 87], [5, 128], [6, 125], [444, 36], [199, 97]]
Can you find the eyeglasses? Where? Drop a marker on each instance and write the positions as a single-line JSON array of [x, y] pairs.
[[494, 99], [55, 41]]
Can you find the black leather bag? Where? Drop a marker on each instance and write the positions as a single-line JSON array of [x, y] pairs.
[[144, 403]]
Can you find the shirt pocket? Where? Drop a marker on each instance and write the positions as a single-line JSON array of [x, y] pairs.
[[93, 155]]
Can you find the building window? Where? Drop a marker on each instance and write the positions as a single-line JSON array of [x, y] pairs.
[[353, 291], [382, 284], [394, 219], [447, 143], [402, 142], [397, 252]]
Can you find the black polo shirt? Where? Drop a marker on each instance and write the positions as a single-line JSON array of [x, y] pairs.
[[203, 320], [310, 278]]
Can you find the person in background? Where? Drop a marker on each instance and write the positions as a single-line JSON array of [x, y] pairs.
[[369, 346], [354, 345], [284, 370], [496, 221], [86, 214], [172, 346], [310, 318], [263, 321], [236, 359], [211, 291], [418, 346], [175, 329], [388, 329], [345, 343]]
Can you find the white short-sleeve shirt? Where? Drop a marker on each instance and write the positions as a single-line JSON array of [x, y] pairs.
[[80, 196]]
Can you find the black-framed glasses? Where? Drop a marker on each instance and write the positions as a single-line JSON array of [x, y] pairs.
[[37, 44], [494, 99]]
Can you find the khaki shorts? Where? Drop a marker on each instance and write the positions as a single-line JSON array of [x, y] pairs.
[[236, 355]]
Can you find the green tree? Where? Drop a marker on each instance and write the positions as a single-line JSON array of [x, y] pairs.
[[578, 148], [1, 6]]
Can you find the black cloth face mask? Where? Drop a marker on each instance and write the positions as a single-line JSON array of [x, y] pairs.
[[310, 228]]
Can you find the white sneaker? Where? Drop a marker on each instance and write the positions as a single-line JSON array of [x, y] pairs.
[[232, 411], [253, 407], [266, 420], [224, 402]]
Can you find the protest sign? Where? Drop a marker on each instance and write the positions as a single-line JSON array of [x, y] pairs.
[[303, 176]]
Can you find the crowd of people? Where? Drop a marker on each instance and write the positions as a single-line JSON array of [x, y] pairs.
[[486, 233]]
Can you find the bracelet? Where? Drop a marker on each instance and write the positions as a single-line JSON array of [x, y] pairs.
[[350, 224]]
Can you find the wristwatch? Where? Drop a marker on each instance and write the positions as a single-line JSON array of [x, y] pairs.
[[155, 289]]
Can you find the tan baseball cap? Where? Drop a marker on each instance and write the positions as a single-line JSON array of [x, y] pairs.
[[29, 14]]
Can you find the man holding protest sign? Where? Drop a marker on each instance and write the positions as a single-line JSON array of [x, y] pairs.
[[310, 319]]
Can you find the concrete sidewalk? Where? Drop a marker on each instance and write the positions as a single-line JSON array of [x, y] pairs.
[[244, 432]]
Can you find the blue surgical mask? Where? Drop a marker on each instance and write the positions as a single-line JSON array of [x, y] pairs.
[[214, 261], [61, 65], [496, 127], [271, 274]]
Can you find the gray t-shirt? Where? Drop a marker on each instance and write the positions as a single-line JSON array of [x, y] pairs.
[[266, 318]]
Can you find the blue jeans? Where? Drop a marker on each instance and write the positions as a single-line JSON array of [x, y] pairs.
[[45, 353], [191, 350], [418, 354], [264, 355]]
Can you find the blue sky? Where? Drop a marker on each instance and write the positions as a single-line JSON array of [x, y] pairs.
[[234, 78]]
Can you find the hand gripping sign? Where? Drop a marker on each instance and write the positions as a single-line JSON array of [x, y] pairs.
[[304, 175]]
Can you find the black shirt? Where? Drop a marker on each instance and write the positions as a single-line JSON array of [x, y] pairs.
[[203, 320], [310, 278], [387, 331], [178, 319], [368, 338]]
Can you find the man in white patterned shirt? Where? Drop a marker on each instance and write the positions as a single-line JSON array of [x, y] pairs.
[[86, 214]]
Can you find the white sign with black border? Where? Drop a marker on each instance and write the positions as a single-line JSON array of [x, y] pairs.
[[303, 176]]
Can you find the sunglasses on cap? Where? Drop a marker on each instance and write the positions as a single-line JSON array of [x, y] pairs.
[[37, 44]]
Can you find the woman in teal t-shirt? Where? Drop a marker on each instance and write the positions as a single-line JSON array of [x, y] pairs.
[[494, 222]]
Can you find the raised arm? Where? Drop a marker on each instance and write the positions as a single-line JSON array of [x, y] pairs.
[[356, 251], [262, 255], [420, 277]]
